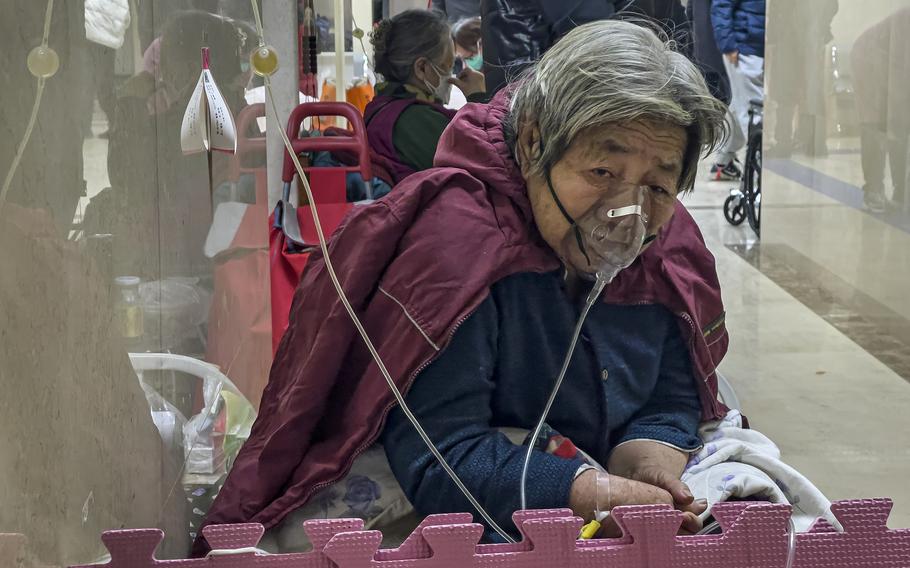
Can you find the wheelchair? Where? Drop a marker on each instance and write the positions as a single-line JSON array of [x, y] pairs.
[[745, 202]]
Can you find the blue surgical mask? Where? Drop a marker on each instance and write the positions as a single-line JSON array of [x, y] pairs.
[[475, 62]]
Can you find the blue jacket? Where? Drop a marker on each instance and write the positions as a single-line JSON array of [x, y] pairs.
[[739, 25], [630, 378]]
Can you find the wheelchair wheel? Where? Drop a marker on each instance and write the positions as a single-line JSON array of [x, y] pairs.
[[752, 181], [734, 210]]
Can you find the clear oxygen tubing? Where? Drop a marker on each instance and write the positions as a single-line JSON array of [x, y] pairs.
[[347, 305], [598, 288], [39, 93], [596, 223]]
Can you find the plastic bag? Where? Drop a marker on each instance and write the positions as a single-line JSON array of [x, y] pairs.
[[167, 418], [175, 306], [212, 438]]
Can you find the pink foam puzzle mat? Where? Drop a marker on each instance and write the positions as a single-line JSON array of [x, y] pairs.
[[755, 535]]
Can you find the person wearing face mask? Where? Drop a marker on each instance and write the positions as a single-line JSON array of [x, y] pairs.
[[467, 36], [470, 278], [415, 55]]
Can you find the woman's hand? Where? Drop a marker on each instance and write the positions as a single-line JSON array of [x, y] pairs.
[[654, 463], [682, 496], [660, 466], [623, 491], [470, 81]]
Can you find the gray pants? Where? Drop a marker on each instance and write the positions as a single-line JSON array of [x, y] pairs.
[[746, 84]]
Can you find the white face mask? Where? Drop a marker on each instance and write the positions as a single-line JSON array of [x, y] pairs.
[[443, 90]]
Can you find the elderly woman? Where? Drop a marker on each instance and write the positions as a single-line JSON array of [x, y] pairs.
[[462, 280], [415, 54]]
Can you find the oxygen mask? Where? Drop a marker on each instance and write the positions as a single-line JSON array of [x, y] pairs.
[[609, 236]]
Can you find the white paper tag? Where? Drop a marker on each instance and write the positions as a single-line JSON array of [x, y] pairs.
[[192, 131], [207, 122], [222, 132]]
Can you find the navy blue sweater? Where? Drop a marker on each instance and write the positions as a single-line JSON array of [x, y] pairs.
[[631, 378]]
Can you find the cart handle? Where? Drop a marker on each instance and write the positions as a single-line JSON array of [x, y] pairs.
[[357, 143]]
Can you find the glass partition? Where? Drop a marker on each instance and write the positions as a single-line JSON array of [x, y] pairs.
[[134, 311], [836, 238]]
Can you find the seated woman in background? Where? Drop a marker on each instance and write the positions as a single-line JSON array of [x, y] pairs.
[[415, 54]]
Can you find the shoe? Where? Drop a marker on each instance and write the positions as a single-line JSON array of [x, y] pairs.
[[874, 201], [726, 172]]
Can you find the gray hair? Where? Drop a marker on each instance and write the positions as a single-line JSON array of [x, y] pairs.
[[398, 42], [609, 72]]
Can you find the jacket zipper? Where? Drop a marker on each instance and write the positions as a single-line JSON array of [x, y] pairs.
[[694, 331]]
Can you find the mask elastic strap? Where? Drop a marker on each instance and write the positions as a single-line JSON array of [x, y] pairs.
[[572, 223]]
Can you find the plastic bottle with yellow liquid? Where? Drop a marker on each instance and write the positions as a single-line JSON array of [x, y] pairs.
[[127, 309]]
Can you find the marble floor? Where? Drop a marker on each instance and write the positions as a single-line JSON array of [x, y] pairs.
[[814, 366]]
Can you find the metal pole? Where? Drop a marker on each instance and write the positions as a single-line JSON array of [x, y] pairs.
[[340, 94], [279, 22]]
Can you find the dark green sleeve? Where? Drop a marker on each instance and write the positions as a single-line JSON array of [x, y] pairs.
[[416, 135]]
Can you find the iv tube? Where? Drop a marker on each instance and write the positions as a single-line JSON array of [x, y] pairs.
[[615, 236], [356, 321], [791, 543], [43, 74], [599, 285]]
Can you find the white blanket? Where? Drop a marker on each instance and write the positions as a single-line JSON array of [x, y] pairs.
[[740, 463]]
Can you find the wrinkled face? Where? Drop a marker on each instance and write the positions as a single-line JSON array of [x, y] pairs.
[[605, 162]]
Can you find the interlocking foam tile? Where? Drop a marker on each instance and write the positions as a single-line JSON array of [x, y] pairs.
[[755, 535], [416, 546]]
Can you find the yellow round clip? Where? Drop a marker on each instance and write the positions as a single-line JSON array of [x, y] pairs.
[[264, 60], [43, 62]]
